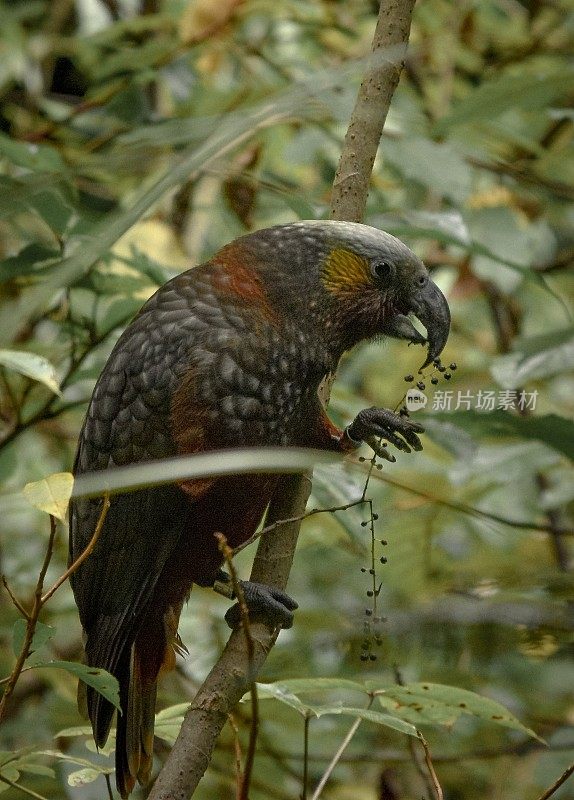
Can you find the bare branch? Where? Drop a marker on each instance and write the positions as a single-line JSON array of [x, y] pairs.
[[557, 784], [351, 186]]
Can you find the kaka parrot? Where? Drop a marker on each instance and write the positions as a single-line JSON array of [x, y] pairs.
[[229, 354]]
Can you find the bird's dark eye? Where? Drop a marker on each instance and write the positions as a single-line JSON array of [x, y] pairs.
[[422, 280], [382, 270]]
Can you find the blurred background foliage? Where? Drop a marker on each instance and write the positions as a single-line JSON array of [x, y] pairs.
[[137, 137]]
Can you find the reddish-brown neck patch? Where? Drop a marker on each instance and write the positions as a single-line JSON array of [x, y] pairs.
[[236, 277]]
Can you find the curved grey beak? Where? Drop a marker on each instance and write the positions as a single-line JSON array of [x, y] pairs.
[[430, 307]]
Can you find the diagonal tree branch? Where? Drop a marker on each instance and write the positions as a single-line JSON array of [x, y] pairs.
[[235, 670]]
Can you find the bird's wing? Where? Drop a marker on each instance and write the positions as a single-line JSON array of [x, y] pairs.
[[128, 421]]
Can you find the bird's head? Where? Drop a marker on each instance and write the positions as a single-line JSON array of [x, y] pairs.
[[358, 281]]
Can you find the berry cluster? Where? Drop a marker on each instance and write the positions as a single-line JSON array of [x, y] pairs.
[[372, 637], [438, 370]]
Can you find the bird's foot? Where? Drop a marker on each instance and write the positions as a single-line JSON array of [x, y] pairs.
[[373, 424], [263, 603]]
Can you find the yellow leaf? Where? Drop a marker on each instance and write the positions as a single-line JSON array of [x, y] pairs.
[[51, 494]]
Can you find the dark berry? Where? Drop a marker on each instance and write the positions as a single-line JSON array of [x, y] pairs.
[[452, 366], [420, 385], [447, 376], [369, 593], [384, 541], [409, 378], [434, 381], [441, 368], [383, 559], [368, 612], [372, 657]]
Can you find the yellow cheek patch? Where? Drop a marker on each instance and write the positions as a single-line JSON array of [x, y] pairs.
[[344, 271]]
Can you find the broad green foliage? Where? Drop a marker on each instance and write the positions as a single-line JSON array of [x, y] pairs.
[[132, 148]]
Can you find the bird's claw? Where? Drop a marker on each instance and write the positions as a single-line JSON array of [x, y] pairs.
[[373, 424], [265, 603]]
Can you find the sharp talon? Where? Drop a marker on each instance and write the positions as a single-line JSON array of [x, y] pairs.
[[264, 602], [372, 424], [381, 451]]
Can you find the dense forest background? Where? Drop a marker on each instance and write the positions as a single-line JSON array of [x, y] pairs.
[[138, 137]]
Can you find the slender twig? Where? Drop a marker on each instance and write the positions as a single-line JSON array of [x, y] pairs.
[[109, 786], [299, 518], [39, 601], [24, 789], [340, 750], [31, 621], [245, 776], [440, 501], [84, 555], [237, 752], [430, 767], [557, 784], [14, 599], [416, 756], [306, 721]]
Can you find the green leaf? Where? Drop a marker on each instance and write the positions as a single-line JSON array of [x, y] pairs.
[[32, 365], [157, 273], [380, 718], [117, 283], [24, 765], [36, 157], [10, 773], [277, 692], [42, 634], [87, 775], [309, 685], [78, 730], [438, 166], [17, 194], [205, 465], [453, 229], [51, 494], [444, 704], [555, 431], [98, 679], [537, 357], [169, 730], [505, 238], [494, 97], [171, 713], [33, 259]]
